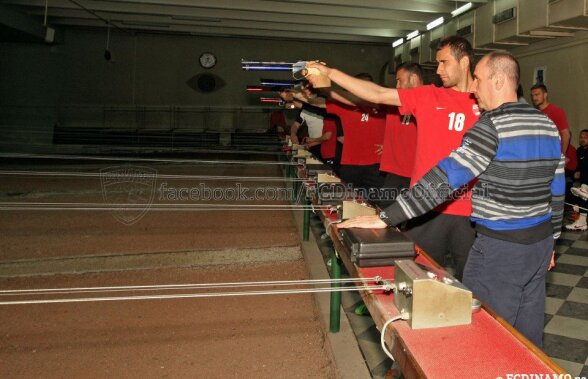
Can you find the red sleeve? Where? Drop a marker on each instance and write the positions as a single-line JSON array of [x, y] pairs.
[[560, 120], [572, 159], [411, 98]]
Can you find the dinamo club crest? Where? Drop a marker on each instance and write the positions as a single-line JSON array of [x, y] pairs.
[[129, 190]]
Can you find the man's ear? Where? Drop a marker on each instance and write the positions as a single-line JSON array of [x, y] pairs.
[[464, 63], [413, 78], [499, 81]]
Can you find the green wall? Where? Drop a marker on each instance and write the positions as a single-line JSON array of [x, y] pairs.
[[153, 69], [566, 63], [72, 84]]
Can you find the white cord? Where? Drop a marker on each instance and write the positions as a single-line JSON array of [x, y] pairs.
[[402, 316]]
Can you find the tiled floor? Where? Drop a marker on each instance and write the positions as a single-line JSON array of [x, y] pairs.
[[566, 310]]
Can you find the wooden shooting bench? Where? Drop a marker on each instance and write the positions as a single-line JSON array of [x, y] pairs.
[[487, 348]]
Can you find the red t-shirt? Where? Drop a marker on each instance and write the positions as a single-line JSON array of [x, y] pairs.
[[399, 143], [443, 116], [363, 129], [557, 115], [329, 146], [571, 160]]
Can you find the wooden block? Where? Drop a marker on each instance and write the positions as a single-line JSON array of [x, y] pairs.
[[353, 209], [312, 160], [301, 153], [327, 178]]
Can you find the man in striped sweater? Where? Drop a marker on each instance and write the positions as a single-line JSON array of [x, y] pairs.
[[514, 151]]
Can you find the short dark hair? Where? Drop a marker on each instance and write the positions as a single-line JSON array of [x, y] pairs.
[[505, 62], [460, 47], [412, 68], [520, 92], [583, 131], [540, 86]]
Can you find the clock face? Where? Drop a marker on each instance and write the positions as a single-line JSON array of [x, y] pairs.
[[207, 60]]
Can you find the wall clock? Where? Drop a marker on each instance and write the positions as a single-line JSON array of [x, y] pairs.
[[207, 60]]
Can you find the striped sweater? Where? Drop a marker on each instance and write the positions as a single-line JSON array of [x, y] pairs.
[[514, 151]]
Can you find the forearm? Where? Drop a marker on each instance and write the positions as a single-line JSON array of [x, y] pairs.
[[364, 89], [312, 143], [430, 191], [439, 183], [565, 140], [293, 133], [346, 98], [314, 109]]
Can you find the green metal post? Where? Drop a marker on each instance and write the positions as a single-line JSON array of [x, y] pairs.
[[335, 315], [306, 225]]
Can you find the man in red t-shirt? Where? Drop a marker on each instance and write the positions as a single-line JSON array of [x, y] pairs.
[[443, 115], [539, 96], [363, 132], [399, 149]]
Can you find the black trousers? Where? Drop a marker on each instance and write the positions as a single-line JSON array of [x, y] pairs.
[[442, 236], [366, 178]]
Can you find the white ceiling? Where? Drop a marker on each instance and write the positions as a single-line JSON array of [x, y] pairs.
[[370, 21]]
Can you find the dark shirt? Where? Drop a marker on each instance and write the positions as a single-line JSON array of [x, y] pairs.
[[582, 154]]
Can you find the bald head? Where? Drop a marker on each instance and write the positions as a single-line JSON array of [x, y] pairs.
[[496, 79], [503, 62]]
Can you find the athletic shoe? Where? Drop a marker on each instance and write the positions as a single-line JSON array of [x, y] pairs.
[[576, 226], [581, 191]]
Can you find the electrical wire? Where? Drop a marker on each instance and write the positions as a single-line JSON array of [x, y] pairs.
[[95, 14], [402, 316]]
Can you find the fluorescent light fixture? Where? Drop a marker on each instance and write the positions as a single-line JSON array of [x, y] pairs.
[[461, 9], [435, 23], [398, 42], [411, 35]]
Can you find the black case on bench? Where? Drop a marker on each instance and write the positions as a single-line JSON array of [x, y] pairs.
[[315, 169], [376, 247]]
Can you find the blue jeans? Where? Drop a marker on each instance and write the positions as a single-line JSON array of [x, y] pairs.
[[510, 278]]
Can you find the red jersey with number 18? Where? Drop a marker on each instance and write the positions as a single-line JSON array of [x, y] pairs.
[[443, 116]]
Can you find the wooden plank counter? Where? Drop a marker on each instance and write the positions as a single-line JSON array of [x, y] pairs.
[[487, 348]]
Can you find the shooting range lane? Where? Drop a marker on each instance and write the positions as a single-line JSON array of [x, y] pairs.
[[255, 336], [34, 234]]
